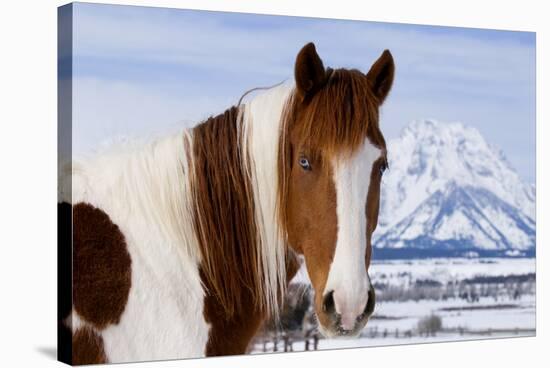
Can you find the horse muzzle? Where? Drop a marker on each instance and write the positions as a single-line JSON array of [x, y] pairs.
[[343, 322]]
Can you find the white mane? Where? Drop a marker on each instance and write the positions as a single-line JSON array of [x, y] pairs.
[[261, 129], [149, 181]]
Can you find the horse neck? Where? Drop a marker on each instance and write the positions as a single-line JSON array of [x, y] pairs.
[[235, 192]]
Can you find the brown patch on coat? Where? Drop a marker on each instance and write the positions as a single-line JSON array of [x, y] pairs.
[[231, 335], [224, 215], [88, 347], [331, 114], [101, 267]]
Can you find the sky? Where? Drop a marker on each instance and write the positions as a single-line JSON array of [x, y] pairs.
[[142, 71]]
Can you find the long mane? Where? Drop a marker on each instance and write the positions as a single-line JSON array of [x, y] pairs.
[[235, 190]]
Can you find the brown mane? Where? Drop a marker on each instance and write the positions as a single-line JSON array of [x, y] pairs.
[[224, 213]]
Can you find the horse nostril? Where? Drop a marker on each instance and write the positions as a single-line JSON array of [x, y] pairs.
[[328, 302]]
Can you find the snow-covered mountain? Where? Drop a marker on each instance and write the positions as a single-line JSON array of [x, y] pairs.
[[447, 188]]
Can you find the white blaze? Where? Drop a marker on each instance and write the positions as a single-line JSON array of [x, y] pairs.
[[348, 276]]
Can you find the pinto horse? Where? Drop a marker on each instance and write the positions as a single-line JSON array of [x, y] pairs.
[[182, 247]]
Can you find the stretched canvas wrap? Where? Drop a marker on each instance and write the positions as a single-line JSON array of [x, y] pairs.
[[246, 184]]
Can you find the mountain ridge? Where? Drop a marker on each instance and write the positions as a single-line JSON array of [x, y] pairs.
[[447, 188]]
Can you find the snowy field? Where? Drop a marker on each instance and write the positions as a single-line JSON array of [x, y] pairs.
[[449, 269], [485, 303]]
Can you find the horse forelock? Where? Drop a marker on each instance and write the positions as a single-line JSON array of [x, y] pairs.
[[338, 117]]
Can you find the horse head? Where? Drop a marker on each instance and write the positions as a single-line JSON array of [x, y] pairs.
[[332, 158]]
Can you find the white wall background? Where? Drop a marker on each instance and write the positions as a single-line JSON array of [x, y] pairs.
[[28, 186]]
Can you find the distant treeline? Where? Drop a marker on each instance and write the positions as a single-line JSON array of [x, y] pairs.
[[501, 279], [511, 287], [423, 253]]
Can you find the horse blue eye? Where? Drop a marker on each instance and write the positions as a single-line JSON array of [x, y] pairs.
[[304, 163]]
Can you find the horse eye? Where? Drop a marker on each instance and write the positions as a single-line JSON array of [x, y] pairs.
[[304, 162]]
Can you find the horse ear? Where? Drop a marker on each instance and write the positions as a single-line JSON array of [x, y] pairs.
[[380, 75], [309, 71]]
